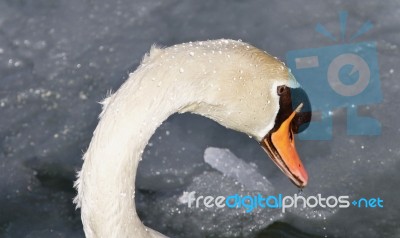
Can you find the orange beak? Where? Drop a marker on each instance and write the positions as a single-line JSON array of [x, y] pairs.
[[281, 148]]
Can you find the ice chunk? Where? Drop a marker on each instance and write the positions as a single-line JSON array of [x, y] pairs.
[[228, 164]]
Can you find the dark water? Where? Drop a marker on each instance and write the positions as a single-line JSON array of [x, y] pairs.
[[58, 58]]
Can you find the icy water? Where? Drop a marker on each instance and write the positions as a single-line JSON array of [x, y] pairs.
[[59, 58]]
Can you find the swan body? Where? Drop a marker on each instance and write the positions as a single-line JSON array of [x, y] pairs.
[[228, 81]]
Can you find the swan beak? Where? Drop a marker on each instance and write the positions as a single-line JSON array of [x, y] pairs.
[[280, 146]]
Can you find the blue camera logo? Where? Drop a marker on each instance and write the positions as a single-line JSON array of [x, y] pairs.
[[337, 76]]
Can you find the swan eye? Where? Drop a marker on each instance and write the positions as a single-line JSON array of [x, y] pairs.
[[282, 90], [289, 100]]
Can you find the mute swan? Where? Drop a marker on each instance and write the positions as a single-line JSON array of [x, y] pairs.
[[229, 81]]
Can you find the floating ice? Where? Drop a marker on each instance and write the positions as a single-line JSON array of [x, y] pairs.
[[228, 164]]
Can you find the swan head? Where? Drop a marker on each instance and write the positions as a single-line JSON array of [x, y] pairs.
[[293, 116], [289, 113], [256, 94]]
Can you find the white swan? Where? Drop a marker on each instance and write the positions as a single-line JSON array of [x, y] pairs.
[[231, 82]]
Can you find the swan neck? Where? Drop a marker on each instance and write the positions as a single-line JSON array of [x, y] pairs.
[[126, 125]]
